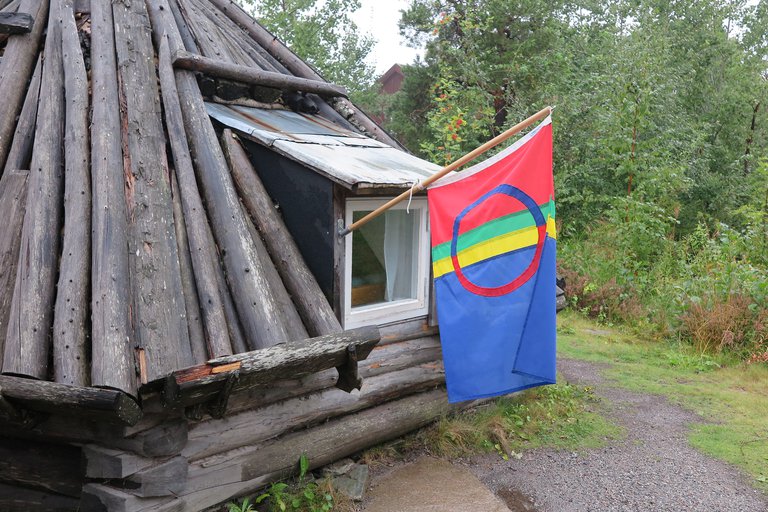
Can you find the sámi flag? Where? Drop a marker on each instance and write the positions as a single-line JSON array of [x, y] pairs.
[[493, 260]]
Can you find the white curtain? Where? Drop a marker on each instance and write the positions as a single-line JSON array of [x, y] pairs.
[[400, 254]]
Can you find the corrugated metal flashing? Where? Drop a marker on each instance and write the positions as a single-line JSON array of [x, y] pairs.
[[348, 158]]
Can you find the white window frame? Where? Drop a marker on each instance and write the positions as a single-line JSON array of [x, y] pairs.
[[388, 312]]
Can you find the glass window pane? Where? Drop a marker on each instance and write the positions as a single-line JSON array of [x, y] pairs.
[[384, 258]]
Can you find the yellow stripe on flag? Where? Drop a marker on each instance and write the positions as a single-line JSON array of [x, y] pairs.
[[496, 246]]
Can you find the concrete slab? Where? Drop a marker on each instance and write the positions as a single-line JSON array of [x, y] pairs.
[[432, 485]]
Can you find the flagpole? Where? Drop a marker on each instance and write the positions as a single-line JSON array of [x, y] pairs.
[[418, 187]]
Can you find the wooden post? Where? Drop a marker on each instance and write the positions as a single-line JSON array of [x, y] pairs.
[[312, 305], [72, 301], [203, 254], [538, 116], [158, 309], [27, 345], [18, 60], [112, 351], [248, 75]]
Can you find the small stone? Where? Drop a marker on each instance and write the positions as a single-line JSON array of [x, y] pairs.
[[339, 467], [354, 483]]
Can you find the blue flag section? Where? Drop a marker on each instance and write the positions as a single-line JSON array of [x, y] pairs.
[[493, 258]]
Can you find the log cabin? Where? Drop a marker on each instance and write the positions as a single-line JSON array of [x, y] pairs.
[[179, 318]]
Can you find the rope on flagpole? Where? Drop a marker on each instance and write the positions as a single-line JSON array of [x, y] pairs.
[[421, 185]]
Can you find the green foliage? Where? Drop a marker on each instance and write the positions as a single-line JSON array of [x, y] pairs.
[[302, 497], [323, 34]]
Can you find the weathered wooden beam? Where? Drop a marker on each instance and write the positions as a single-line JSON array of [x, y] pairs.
[[45, 466], [253, 76], [27, 345], [15, 22], [112, 351], [310, 302], [102, 462], [300, 68], [9, 5], [24, 136], [52, 397], [168, 478], [158, 309], [70, 321], [164, 440], [184, 32], [258, 425], [259, 368], [261, 319], [18, 60], [203, 253], [24, 499], [13, 199]]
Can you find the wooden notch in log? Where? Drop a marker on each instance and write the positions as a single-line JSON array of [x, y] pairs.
[[24, 137], [51, 397], [311, 304], [258, 368], [15, 22], [191, 62]]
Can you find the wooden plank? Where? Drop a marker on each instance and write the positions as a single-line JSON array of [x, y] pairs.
[[43, 466], [261, 367], [70, 321], [27, 344], [260, 424], [13, 198], [158, 309], [106, 404], [103, 498], [23, 499], [186, 35], [15, 22], [18, 60], [164, 440], [311, 304], [112, 350], [249, 75], [24, 137], [203, 253]]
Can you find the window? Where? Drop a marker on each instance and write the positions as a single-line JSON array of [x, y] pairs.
[[386, 269]]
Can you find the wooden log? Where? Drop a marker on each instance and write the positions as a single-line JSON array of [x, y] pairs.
[[15, 22], [168, 478], [322, 445], [18, 60], [203, 253], [102, 462], [166, 439], [300, 68], [112, 350], [105, 404], [218, 36], [103, 498], [244, 74], [82, 6], [258, 425], [195, 352], [70, 321], [261, 367], [23, 499], [9, 5], [45, 466], [27, 345], [21, 148], [159, 316], [256, 306], [186, 35], [310, 302], [13, 198], [291, 319]]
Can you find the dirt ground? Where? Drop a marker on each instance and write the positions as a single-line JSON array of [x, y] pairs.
[[653, 468]]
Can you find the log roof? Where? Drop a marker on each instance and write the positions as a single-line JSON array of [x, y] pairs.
[[126, 250]]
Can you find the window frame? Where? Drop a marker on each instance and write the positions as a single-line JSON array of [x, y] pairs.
[[399, 310]]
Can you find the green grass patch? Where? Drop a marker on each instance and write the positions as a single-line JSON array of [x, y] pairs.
[[730, 396], [558, 416]]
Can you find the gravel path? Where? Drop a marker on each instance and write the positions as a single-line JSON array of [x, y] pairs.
[[652, 469]]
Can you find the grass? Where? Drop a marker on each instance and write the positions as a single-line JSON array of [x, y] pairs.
[[730, 396]]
